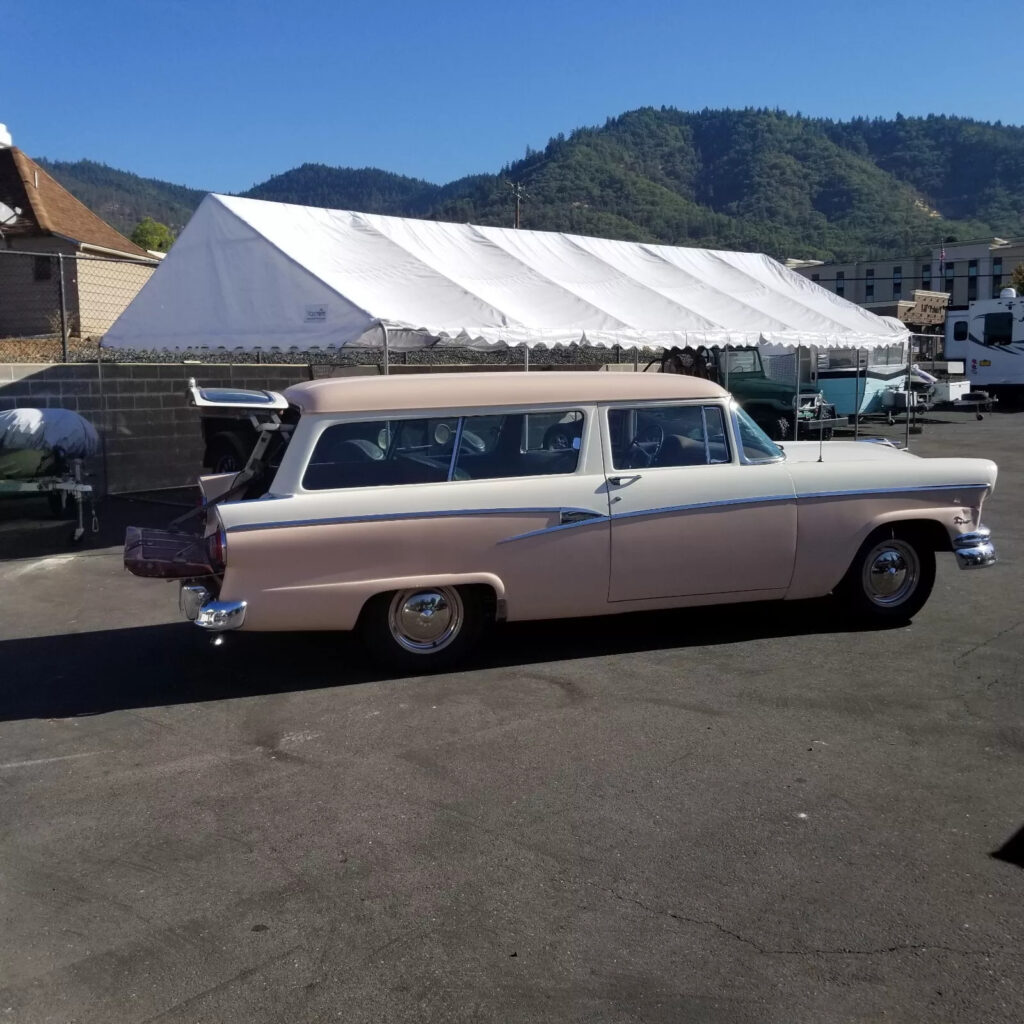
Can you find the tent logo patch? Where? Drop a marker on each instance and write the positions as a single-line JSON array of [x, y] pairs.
[[316, 314]]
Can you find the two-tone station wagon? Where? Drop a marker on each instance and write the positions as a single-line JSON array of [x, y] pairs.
[[418, 509]]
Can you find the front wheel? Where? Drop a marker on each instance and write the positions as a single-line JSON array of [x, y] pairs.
[[422, 629], [890, 578]]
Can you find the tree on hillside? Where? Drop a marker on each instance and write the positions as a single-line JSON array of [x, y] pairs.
[[151, 234]]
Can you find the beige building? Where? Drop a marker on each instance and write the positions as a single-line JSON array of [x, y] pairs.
[[57, 255], [964, 271]]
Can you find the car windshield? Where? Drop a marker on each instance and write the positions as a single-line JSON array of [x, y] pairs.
[[755, 444]]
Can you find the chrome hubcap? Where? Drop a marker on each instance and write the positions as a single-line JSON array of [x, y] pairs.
[[425, 621], [890, 574]]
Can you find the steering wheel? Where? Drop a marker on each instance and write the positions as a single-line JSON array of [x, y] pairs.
[[643, 450], [559, 437]]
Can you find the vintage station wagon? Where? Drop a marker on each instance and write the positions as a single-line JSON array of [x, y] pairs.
[[419, 509]]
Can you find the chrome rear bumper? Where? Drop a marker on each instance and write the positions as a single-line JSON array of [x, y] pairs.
[[195, 604], [974, 550]]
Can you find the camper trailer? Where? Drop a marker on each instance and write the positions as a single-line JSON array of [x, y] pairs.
[[989, 338]]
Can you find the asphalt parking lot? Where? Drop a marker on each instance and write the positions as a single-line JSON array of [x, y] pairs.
[[745, 814]]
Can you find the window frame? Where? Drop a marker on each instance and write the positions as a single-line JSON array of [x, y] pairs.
[[391, 417], [700, 403]]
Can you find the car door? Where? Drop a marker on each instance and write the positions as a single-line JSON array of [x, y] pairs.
[[690, 515]]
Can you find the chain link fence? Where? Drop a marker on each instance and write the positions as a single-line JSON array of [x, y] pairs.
[[54, 307]]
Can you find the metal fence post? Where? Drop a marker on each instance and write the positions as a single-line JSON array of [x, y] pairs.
[[63, 309]]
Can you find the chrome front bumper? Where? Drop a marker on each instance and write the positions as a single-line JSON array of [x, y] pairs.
[[195, 604], [974, 550]]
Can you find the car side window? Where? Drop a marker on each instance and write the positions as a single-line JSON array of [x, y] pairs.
[[519, 444], [670, 435], [379, 453]]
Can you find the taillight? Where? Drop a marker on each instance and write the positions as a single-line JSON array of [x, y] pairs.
[[217, 549]]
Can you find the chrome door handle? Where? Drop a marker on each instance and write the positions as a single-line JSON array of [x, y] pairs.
[[618, 481]]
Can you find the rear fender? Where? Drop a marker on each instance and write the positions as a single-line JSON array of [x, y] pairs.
[[331, 604]]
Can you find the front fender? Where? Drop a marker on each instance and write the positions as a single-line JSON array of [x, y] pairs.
[[823, 556]]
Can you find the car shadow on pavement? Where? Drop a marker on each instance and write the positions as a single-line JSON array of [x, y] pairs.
[[1012, 851], [107, 670]]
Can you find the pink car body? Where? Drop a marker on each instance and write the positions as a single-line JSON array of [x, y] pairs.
[[433, 503]]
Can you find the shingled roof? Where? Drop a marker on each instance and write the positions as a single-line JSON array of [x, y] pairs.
[[52, 209]]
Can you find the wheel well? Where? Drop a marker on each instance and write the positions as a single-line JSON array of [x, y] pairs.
[[493, 608], [931, 533]]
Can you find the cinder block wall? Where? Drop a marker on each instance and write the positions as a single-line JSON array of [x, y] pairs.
[[151, 436]]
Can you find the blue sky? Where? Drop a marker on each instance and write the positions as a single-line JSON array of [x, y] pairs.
[[221, 94]]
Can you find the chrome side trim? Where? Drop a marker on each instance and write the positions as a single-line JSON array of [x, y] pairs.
[[698, 505], [594, 519], [894, 490], [400, 516], [596, 516]]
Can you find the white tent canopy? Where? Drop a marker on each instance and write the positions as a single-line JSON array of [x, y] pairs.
[[252, 274]]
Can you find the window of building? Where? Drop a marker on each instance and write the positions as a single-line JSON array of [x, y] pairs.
[[869, 283], [997, 275], [815, 278], [42, 268], [972, 289], [950, 277], [926, 277], [840, 282]]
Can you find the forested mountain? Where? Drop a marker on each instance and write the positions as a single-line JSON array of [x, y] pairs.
[[733, 179], [339, 188], [123, 199]]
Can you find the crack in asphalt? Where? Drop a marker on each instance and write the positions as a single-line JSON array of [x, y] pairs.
[[985, 643], [841, 951]]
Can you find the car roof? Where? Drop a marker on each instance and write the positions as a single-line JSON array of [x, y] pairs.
[[432, 391]]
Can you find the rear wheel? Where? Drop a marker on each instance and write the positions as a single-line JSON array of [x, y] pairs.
[[422, 629], [891, 576]]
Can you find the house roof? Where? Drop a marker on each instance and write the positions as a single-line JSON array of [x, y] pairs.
[[50, 209]]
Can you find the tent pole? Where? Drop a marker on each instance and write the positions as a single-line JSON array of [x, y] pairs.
[[856, 399], [526, 358], [387, 349], [796, 398], [636, 358], [910, 356]]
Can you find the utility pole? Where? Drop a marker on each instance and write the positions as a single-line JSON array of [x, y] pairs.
[[519, 191]]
